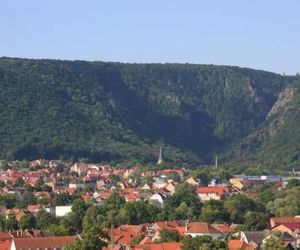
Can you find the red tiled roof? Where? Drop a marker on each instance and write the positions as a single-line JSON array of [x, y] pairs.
[[167, 224], [276, 221], [5, 236], [43, 242], [105, 195], [224, 228], [124, 239], [86, 197], [126, 233], [201, 228], [160, 246], [131, 197], [216, 190], [133, 230], [239, 245], [130, 194], [71, 191], [33, 208], [5, 245]]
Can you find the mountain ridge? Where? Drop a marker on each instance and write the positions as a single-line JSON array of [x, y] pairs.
[[117, 111]]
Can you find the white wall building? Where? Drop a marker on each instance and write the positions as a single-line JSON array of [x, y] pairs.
[[62, 210]]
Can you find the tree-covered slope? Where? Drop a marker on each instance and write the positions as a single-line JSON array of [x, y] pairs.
[[112, 111]]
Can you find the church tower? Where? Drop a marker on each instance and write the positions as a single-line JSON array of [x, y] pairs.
[[160, 156]]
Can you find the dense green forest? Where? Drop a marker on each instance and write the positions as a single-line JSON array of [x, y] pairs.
[[122, 112]]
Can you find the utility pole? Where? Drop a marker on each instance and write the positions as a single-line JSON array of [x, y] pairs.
[[112, 236]]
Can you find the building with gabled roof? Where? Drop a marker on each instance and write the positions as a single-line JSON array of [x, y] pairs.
[[212, 193], [194, 229], [125, 234], [42, 243], [171, 225], [224, 228], [290, 228], [254, 238], [175, 225], [276, 221]]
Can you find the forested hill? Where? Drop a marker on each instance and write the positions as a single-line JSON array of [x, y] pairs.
[[122, 112]]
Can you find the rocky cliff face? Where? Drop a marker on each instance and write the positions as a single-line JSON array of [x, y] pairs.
[[275, 119], [279, 112], [282, 103]]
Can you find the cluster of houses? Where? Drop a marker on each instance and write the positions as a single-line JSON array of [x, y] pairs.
[[101, 180], [97, 182], [287, 229], [124, 237]]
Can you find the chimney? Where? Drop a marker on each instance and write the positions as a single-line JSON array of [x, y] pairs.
[[187, 223]]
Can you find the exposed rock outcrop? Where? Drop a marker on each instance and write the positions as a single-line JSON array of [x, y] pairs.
[[283, 100], [274, 121]]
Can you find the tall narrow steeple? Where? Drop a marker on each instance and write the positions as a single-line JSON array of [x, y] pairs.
[[216, 161], [160, 156]]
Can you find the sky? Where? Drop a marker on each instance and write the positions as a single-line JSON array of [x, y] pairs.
[[259, 34]]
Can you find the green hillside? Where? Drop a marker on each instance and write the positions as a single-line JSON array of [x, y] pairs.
[[123, 112]]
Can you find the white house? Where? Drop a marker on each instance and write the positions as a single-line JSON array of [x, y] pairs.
[[212, 193], [158, 199]]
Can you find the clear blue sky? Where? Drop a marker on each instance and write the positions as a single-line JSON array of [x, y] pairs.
[[261, 34]]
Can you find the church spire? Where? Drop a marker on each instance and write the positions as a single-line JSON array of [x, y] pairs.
[[160, 156]]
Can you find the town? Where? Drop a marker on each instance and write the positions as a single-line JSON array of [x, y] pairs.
[[144, 208]]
